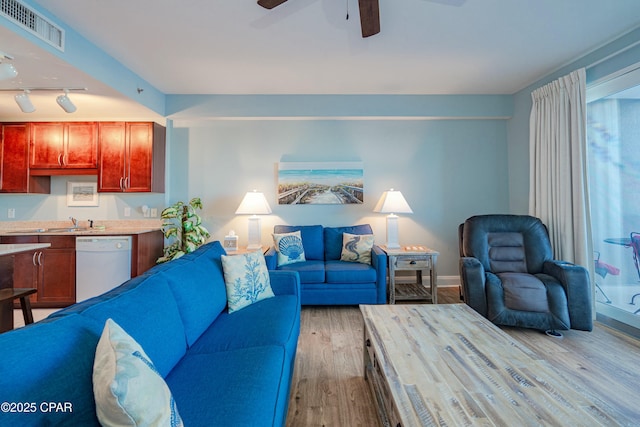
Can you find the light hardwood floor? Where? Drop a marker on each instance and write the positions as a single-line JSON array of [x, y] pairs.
[[329, 388]]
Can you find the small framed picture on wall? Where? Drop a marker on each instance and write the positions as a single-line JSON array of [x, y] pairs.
[[82, 194]]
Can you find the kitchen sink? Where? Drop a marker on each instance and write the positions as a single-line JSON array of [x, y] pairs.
[[32, 231], [66, 229]]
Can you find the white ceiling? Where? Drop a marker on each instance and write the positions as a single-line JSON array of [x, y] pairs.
[[308, 47]]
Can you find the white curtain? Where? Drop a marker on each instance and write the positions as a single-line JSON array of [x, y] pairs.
[[558, 189]]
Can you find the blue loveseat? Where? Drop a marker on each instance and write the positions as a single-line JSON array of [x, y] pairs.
[[324, 278], [223, 369]]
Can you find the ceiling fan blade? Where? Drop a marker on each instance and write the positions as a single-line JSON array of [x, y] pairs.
[[270, 4], [369, 17]]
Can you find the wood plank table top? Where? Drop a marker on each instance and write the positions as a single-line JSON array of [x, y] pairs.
[[447, 365]]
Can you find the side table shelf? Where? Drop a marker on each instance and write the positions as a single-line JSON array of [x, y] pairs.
[[412, 258]]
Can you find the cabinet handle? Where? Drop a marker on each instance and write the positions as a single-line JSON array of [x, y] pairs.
[[40, 258], [33, 260], [121, 184], [60, 160], [64, 160], [126, 183]]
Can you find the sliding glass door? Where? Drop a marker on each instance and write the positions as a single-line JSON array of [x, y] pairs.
[[613, 136]]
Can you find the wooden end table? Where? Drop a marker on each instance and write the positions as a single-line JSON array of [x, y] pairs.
[[412, 258]]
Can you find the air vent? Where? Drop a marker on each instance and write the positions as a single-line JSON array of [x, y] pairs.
[[31, 21]]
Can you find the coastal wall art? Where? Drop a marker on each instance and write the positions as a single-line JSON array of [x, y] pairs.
[[320, 183]]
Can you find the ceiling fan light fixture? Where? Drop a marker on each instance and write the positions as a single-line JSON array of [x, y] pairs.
[[24, 102], [65, 102]]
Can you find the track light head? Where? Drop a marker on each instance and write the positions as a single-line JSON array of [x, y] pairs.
[[24, 102], [65, 102], [7, 71]]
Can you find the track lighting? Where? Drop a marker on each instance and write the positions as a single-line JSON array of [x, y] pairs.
[[7, 70], [65, 102], [24, 102]]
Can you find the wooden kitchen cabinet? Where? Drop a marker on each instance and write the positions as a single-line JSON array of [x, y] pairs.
[[69, 147], [132, 157], [52, 271], [14, 162]]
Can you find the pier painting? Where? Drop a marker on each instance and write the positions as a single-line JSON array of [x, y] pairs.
[[320, 183]]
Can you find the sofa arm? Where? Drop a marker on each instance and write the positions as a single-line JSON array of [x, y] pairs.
[[271, 257], [379, 262], [285, 282], [575, 281], [473, 280]]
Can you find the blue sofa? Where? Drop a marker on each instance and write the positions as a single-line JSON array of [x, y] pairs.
[[324, 279], [222, 369]]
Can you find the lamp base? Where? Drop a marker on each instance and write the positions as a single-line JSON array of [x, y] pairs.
[[255, 233], [392, 232]]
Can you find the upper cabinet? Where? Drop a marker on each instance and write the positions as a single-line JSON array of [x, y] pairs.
[[14, 162], [67, 147], [132, 157]]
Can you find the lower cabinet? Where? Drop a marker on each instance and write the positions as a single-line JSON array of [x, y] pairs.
[[52, 271]]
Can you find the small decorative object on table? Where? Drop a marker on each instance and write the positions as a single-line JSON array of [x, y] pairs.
[[412, 258], [231, 241]]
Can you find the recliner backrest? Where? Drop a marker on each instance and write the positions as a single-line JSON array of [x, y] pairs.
[[506, 243]]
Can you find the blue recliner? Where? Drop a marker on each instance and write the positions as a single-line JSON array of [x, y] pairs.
[[508, 275]]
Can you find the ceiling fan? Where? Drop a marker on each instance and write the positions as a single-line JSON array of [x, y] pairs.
[[369, 14]]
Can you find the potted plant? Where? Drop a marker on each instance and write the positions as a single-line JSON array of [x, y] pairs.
[[183, 228]]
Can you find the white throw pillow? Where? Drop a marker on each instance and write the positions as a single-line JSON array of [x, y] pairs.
[[127, 388], [289, 247], [357, 247], [246, 278]]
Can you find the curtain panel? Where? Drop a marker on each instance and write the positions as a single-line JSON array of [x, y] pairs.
[[558, 185]]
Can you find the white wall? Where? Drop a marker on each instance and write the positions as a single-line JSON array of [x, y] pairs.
[[447, 170]]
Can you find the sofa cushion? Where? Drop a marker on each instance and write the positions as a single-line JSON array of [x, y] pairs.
[[246, 278], [349, 272], [247, 391], [149, 313], [271, 321], [128, 389], [50, 361], [197, 284], [312, 239], [333, 239], [357, 247], [309, 271], [289, 248]]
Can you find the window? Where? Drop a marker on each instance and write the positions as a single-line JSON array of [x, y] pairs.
[[613, 138]]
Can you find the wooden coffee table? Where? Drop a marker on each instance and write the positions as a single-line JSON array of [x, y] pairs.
[[447, 365]]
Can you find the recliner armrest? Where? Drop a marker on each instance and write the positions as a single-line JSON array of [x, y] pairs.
[[473, 279], [575, 281]]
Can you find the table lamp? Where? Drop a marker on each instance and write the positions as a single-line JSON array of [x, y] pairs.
[[392, 202], [254, 204]]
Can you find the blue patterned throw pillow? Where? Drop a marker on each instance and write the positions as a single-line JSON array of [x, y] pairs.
[[357, 247], [289, 248], [127, 388], [246, 279]]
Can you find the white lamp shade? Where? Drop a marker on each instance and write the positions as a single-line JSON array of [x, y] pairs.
[[392, 202], [254, 203]]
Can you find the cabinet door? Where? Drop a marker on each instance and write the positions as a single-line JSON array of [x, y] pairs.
[[81, 150], [112, 156], [14, 166], [47, 145], [140, 157], [57, 278]]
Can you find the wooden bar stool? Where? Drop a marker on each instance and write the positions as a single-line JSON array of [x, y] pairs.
[[7, 295]]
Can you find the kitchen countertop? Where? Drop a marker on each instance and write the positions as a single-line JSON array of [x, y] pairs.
[[63, 228], [10, 249]]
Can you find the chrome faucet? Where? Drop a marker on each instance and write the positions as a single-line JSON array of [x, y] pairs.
[[74, 221]]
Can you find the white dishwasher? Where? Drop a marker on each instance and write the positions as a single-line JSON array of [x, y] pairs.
[[102, 263]]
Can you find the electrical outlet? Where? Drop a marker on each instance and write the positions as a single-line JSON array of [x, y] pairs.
[[127, 211], [11, 213], [154, 212]]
